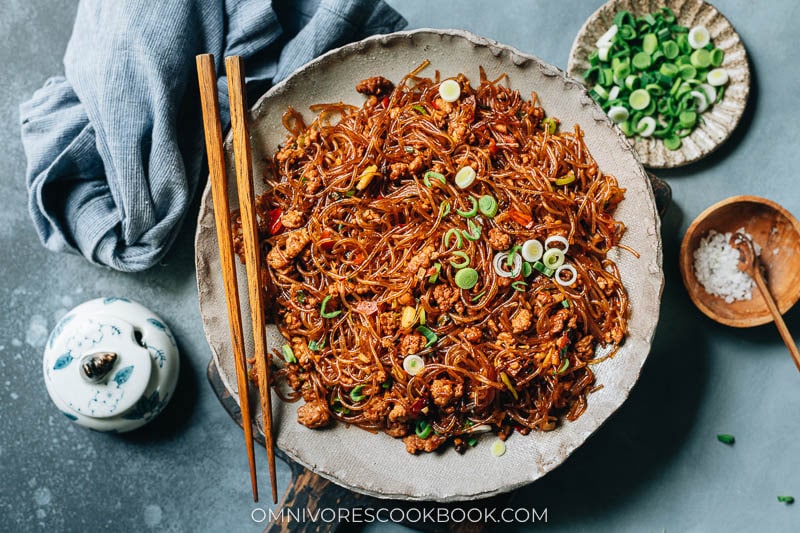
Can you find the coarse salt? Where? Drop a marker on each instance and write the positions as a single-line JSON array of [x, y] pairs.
[[716, 266]]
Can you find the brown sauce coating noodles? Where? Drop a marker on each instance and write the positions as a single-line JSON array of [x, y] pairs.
[[362, 229]]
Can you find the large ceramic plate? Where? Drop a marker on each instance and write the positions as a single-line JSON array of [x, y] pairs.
[[377, 464], [719, 121]]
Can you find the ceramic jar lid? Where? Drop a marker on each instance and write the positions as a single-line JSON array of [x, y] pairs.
[[111, 365]]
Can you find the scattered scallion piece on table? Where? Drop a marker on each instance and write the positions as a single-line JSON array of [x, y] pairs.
[[464, 260], [725, 438], [786, 499]]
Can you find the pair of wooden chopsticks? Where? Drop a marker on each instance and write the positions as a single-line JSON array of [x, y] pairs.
[[219, 189]]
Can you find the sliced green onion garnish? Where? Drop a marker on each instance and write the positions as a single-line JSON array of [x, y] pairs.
[[618, 114], [563, 368], [527, 269], [539, 266], [726, 438], [639, 99], [466, 278], [408, 149], [565, 303], [429, 175], [419, 109], [435, 276], [325, 314], [718, 77], [449, 90], [553, 258], [673, 142], [315, 346], [717, 57], [532, 250], [356, 395], [464, 260], [288, 354], [472, 442], [350, 193], [478, 296], [566, 179], [488, 206], [519, 286], [464, 177], [453, 232], [428, 334], [549, 125], [474, 232], [423, 316], [511, 254], [423, 429], [413, 364], [472, 211], [498, 448]]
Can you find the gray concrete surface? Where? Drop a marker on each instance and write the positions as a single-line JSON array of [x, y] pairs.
[[655, 465]]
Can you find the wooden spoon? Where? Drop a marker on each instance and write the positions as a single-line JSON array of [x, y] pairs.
[[750, 264]]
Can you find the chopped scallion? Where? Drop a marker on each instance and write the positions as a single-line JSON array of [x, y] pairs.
[[435, 276], [356, 395], [725, 438], [472, 210], [464, 260], [488, 206], [423, 429], [288, 354], [453, 232], [429, 335], [315, 346], [326, 314], [519, 286], [429, 175], [466, 278], [474, 232]]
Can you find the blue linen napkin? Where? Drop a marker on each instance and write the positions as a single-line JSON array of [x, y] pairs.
[[115, 147]]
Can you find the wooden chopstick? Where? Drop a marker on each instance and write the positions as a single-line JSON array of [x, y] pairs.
[[244, 178], [219, 191]]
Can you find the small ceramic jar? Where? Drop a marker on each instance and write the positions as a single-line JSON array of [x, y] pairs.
[[111, 365]]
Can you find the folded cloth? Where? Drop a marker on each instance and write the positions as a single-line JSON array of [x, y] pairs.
[[115, 147]]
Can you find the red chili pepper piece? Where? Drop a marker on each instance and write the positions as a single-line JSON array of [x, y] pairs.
[[327, 245], [385, 101], [520, 218], [274, 220], [418, 406], [492, 147], [563, 341]]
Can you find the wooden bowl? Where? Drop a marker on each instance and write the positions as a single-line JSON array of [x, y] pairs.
[[778, 234]]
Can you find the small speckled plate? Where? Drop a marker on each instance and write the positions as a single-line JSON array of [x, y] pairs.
[[378, 465], [722, 118]]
